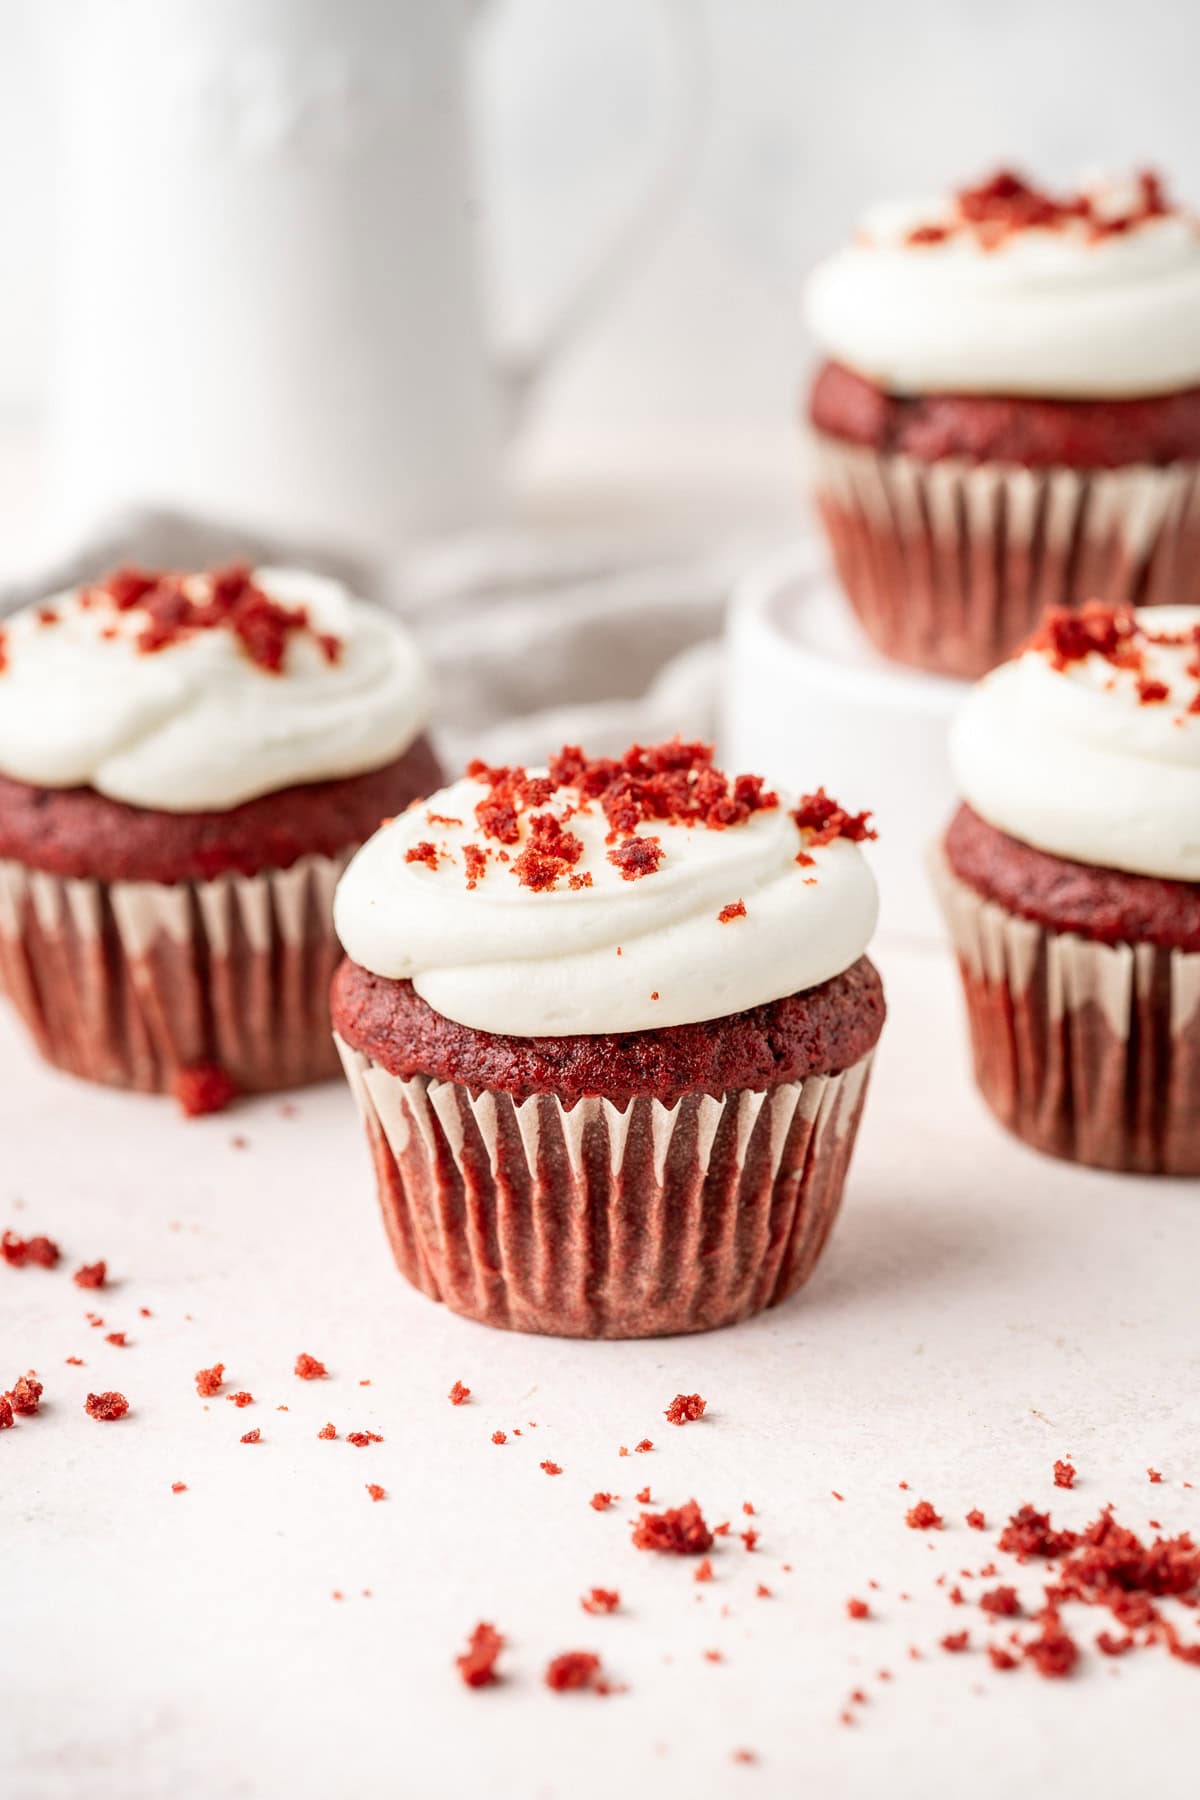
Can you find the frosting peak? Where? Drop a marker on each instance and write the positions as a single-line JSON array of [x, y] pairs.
[[197, 692], [609, 896], [1006, 289], [1087, 745]]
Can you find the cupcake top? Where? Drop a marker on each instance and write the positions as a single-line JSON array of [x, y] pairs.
[[198, 692], [1005, 289], [609, 896], [1087, 744]]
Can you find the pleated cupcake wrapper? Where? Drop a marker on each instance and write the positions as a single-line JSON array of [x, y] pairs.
[[950, 564], [1089, 1051], [130, 982], [593, 1221]]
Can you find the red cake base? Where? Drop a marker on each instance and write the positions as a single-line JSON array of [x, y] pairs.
[[654, 1208], [955, 521], [1085, 1044], [131, 968]]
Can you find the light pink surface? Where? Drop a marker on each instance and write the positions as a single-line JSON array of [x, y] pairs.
[[981, 1311]]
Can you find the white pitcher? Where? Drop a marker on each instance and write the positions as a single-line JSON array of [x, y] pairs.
[[270, 308]]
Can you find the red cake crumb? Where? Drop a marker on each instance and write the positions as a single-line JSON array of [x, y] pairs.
[[424, 852], [713, 1656], [499, 1437], [573, 1669], [825, 820], [179, 1487], [25, 1395], [599, 1502], [836, 1495], [858, 1609], [475, 864], [601, 1600], [923, 1517], [459, 1394], [750, 1538], [477, 1664], [762, 1591], [1054, 1651], [736, 909], [252, 1437], [1154, 1474], [551, 1468], [550, 853], [956, 1642], [241, 1399], [7, 1417], [76, 1362], [209, 1381], [375, 1491], [678, 1531], [703, 1571], [1151, 692], [42, 1252], [637, 856], [1001, 1601], [1006, 203], [643, 1495], [748, 1508], [118, 1338], [91, 1275], [1110, 1645], [1001, 1658], [328, 1431], [106, 1406], [360, 1439], [177, 606], [1064, 1474], [1030, 1533], [308, 1368], [685, 1408], [203, 1088], [643, 1447]]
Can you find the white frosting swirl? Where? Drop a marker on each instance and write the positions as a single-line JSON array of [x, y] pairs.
[[1074, 763], [198, 726], [1050, 311], [619, 955]]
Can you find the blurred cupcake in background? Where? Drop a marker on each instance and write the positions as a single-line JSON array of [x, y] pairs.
[[1070, 878], [1008, 416], [610, 1028], [186, 763]]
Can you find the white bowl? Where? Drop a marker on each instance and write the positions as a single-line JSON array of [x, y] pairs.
[[806, 700]]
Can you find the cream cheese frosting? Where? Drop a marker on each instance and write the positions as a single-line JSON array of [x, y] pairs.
[[599, 952], [1059, 310], [1092, 761], [198, 724]]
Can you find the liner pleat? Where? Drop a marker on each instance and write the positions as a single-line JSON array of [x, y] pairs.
[[950, 564], [591, 1220], [1087, 1051], [130, 982]]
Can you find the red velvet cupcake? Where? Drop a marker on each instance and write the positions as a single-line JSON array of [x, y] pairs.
[[186, 764], [1009, 414], [1071, 884], [610, 1028]]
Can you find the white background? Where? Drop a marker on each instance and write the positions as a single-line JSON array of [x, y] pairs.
[[813, 110], [980, 1312]]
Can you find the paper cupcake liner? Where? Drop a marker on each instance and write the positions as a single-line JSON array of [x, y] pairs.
[[1087, 1051], [950, 564], [130, 982], [586, 1221]]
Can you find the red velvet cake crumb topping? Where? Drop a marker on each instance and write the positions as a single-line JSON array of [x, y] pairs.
[[7, 1418], [601, 1600], [424, 852], [252, 1437], [824, 820], [550, 1468], [598, 1502], [241, 1399], [208, 1381], [679, 1531], [1001, 1602], [735, 910], [25, 1396], [1064, 1474], [1004, 204], [177, 606], [477, 1664], [360, 1439], [459, 1394], [685, 1409], [375, 1491], [203, 1088], [106, 1406], [858, 1609], [1030, 1533], [91, 1275], [309, 1368]]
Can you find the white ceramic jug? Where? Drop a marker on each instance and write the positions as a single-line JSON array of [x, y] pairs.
[[270, 311]]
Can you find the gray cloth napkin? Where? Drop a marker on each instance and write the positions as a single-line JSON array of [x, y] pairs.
[[535, 638]]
